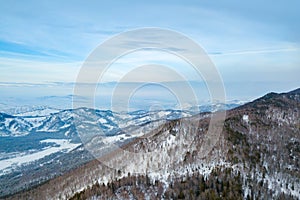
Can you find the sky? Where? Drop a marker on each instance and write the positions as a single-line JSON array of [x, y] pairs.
[[255, 45]]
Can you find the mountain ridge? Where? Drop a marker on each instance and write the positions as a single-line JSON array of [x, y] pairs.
[[251, 150]]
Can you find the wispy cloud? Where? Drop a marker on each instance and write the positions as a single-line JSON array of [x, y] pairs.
[[19, 50], [255, 51]]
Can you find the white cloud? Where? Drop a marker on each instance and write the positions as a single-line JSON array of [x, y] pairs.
[[15, 70]]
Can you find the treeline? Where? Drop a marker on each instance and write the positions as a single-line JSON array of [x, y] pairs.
[[221, 184]]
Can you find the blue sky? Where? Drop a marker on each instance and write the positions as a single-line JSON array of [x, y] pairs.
[[253, 44]]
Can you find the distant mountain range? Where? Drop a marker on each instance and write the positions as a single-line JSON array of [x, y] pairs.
[[46, 119]]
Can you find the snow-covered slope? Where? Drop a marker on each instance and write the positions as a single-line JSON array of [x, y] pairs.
[[11, 125], [255, 157], [23, 134]]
